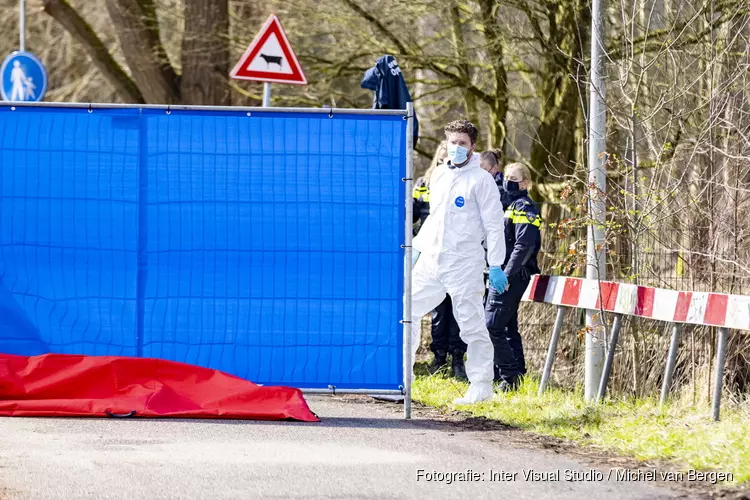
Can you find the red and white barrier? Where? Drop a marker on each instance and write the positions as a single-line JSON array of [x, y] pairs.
[[696, 308]]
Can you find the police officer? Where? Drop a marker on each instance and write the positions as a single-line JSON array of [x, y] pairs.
[[522, 241], [446, 335], [490, 161]]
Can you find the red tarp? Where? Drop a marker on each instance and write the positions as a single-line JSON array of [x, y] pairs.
[[63, 385]]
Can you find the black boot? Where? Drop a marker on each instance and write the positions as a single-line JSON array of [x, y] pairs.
[[441, 357], [457, 363], [511, 384]]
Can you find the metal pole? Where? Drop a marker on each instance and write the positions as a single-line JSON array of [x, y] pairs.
[[22, 25], [610, 357], [389, 394], [408, 361], [266, 95], [721, 354], [182, 107], [671, 363], [552, 348], [595, 267]]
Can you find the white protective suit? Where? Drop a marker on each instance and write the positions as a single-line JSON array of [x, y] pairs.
[[465, 209]]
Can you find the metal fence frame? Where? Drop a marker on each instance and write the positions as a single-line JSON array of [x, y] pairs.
[[614, 335], [407, 114]]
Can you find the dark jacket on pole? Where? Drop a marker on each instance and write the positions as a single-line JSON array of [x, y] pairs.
[[386, 80]]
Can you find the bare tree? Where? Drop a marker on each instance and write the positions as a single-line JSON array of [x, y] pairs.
[[151, 76]]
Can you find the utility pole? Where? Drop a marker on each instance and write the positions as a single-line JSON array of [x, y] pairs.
[[595, 249]]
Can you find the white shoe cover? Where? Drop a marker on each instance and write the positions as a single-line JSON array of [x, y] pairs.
[[478, 392]]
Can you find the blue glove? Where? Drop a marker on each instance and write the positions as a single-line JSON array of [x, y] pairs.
[[414, 257], [498, 279]]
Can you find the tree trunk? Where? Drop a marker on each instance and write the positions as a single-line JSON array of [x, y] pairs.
[[459, 49], [138, 30], [495, 51], [205, 53], [555, 147], [82, 32]]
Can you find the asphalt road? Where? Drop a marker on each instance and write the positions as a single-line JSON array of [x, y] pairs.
[[360, 450]]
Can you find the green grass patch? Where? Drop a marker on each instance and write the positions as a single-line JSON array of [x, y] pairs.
[[682, 434]]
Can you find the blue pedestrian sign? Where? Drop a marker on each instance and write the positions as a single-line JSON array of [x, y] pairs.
[[24, 78]]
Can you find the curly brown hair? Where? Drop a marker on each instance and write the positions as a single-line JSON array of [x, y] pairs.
[[465, 127]]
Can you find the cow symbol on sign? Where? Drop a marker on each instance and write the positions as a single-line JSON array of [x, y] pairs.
[[272, 60], [269, 58]]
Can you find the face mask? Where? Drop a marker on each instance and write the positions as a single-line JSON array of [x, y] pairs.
[[457, 154], [510, 186], [507, 195]]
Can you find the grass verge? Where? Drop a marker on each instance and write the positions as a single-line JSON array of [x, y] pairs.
[[681, 434]]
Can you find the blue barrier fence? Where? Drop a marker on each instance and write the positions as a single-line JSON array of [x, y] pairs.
[[266, 244]]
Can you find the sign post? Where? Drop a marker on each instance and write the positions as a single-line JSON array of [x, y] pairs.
[[22, 26], [269, 59], [23, 77], [266, 95]]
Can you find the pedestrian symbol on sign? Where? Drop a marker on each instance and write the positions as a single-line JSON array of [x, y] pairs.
[[24, 78], [23, 86]]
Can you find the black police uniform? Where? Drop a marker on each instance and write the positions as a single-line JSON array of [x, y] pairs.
[[446, 336], [522, 243]]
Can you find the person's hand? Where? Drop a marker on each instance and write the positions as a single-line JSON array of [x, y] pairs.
[[414, 257], [498, 279]]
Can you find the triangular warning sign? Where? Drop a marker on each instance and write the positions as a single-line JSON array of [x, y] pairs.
[[270, 58]]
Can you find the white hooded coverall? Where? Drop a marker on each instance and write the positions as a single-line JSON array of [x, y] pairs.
[[465, 209]]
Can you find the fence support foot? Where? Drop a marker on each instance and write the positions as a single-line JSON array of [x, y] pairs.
[[552, 349], [721, 354], [610, 357], [671, 363]]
